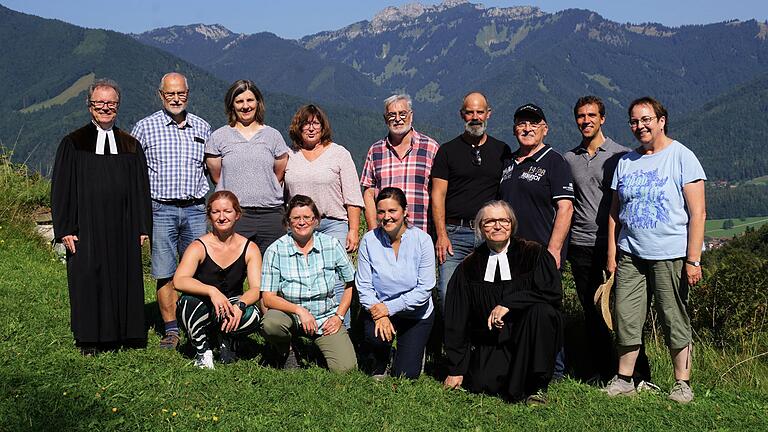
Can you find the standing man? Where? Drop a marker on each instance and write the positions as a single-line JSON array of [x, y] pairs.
[[403, 159], [592, 165], [101, 213], [174, 143], [465, 176], [537, 184]]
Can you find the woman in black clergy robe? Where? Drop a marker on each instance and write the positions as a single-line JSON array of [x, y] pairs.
[[502, 321], [102, 214]]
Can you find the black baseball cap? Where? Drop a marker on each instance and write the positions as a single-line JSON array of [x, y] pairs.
[[530, 110]]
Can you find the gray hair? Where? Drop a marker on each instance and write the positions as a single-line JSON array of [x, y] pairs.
[[396, 98], [102, 82], [481, 215], [162, 80]]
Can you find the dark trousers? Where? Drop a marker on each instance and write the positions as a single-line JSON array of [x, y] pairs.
[[261, 225], [412, 336], [587, 264]]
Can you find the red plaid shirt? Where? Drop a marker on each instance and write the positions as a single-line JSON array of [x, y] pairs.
[[411, 173]]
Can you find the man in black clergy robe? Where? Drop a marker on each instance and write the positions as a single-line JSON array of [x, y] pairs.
[[102, 214]]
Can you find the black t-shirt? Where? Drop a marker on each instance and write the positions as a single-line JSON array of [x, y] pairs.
[[533, 188], [469, 186]]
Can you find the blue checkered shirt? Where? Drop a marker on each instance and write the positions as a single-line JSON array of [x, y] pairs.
[[307, 282], [175, 156]]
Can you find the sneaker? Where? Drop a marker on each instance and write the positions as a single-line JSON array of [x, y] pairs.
[[204, 360], [537, 399], [170, 341], [681, 392], [647, 386], [228, 350], [618, 387], [380, 377]]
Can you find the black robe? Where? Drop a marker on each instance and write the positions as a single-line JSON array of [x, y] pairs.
[[518, 359], [105, 201]]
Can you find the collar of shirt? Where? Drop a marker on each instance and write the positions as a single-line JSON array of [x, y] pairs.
[[534, 157], [294, 250], [414, 139], [102, 136], [385, 237], [170, 121], [500, 260]]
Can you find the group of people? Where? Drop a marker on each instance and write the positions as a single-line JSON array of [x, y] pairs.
[[498, 224]]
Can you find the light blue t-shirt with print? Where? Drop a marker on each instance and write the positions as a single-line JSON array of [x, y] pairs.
[[652, 211]]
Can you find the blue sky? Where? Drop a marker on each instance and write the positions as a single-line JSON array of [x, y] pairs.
[[296, 18]]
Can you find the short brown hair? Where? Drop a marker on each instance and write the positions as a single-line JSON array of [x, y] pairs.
[[302, 117], [235, 90], [300, 201], [658, 109], [223, 194], [586, 100]]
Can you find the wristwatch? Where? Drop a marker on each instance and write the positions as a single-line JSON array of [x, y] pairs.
[[693, 263], [341, 317], [241, 304]]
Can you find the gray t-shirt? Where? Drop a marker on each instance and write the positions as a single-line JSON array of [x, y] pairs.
[[247, 165], [592, 177]]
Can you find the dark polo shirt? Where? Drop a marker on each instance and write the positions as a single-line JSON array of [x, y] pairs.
[[533, 188]]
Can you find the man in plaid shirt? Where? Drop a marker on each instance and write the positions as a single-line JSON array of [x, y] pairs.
[[403, 159], [173, 141]]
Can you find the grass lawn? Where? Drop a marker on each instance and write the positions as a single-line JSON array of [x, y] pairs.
[[714, 227], [47, 385]]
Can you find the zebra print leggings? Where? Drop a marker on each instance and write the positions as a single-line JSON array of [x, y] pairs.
[[194, 316]]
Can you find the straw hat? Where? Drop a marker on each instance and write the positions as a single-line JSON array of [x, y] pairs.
[[603, 298]]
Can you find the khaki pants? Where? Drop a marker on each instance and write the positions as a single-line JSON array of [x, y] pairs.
[[665, 280], [278, 327]]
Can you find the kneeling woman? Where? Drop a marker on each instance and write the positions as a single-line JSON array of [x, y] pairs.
[[300, 270], [395, 277], [502, 324], [211, 275]]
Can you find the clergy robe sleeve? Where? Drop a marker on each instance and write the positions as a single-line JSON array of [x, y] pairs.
[[457, 324], [64, 190], [143, 200], [545, 286]]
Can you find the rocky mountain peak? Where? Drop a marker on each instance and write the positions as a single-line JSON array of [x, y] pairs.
[[215, 32]]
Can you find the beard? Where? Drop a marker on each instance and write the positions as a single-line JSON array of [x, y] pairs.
[[400, 130], [476, 128]]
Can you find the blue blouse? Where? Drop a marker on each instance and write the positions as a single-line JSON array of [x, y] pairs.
[[403, 283]]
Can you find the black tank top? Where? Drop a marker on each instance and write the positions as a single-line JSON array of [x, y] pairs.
[[228, 280]]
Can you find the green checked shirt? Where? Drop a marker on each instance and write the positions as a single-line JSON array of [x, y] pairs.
[[307, 282]]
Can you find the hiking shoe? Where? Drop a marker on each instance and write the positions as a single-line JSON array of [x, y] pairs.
[[228, 350], [647, 386], [618, 387], [537, 399], [681, 392], [170, 341], [204, 360]]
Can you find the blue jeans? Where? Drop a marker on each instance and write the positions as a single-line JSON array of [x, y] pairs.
[[412, 336], [337, 229], [173, 229], [463, 242]]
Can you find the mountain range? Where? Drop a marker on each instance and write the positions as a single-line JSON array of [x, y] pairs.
[[712, 78]]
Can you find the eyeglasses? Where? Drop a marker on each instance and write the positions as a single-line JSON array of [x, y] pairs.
[[182, 95], [391, 115], [533, 125], [490, 223], [297, 219], [102, 104], [313, 124], [646, 120], [477, 160]]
